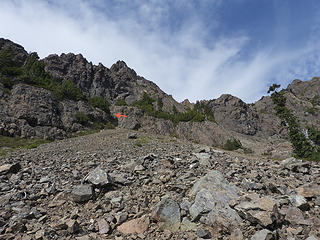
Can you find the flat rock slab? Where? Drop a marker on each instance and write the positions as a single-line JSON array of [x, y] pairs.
[[138, 225], [99, 177], [82, 193], [167, 212], [309, 191]]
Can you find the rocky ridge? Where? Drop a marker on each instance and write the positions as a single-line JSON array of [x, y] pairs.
[[107, 186]]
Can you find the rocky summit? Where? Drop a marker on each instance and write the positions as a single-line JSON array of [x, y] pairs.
[[215, 169]]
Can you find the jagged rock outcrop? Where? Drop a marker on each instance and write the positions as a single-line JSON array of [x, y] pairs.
[[117, 83]]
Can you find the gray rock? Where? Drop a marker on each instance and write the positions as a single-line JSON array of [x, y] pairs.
[[203, 233], [167, 213], [185, 204], [299, 202], [263, 235], [121, 217], [204, 159], [99, 177], [103, 226], [213, 195], [295, 216], [132, 135], [82, 193]]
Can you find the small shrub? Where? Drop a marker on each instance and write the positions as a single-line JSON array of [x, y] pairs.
[[98, 125], [247, 150], [141, 141], [314, 135], [100, 102], [81, 118], [174, 135], [232, 145], [121, 102], [110, 125], [159, 104], [7, 82]]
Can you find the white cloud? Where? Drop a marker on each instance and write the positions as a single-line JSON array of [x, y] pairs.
[[183, 62]]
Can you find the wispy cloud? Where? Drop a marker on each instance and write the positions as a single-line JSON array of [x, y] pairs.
[[156, 39]]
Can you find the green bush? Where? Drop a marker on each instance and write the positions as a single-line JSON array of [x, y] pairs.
[[81, 118], [146, 104], [101, 103], [315, 100], [302, 147], [68, 91], [7, 82], [121, 102], [159, 104], [110, 125], [6, 58], [232, 145], [314, 135], [205, 109]]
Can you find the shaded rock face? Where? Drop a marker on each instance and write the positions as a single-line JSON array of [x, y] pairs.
[[30, 111], [235, 115]]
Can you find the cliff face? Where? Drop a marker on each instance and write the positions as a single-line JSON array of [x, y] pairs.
[[29, 110]]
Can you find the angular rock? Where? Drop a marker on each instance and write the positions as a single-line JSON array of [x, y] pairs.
[[82, 193], [138, 225], [73, 226], [299, 202], [132, 135], [104, 227], [99, 177], [203, 233], [167, 213], [121, 217], [263, 235], [295, 216]]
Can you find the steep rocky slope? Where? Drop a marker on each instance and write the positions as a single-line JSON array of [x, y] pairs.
[[29, 111], [131, 185]]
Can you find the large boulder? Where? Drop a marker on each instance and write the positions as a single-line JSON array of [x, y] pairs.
[[213, 195]]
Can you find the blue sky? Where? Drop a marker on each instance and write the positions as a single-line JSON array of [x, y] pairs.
[[190, 49]]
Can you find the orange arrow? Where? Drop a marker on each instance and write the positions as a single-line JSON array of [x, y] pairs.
[[119, 115]]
